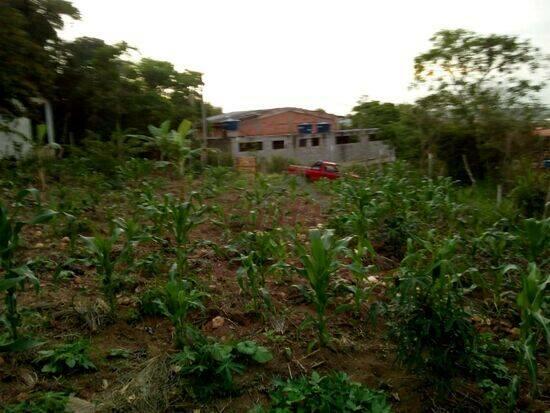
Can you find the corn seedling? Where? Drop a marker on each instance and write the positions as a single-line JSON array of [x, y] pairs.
[[251, 280], [101, 251], [531, 302], [183, 217], [430, 315], [177, 301], [320, 262], [15, 274], [359, 290]]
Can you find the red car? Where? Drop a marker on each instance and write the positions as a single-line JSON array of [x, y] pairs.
[[320, 169]]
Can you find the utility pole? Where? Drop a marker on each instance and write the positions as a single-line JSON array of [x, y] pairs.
[[204, 128]]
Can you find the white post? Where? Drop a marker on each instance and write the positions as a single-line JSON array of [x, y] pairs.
[[499, 194]]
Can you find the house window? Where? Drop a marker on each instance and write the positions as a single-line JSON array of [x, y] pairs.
[[302, 143], [278, 144], [314, 141], [343, 139], [250, 146]]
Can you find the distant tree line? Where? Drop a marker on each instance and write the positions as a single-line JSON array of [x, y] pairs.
[[93, 86], [480, 109]]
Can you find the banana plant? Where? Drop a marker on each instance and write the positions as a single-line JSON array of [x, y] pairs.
[[182, 141], [160, 139], [101, 251], [531, 302], [178, 300], [320, 262], [16, 274]]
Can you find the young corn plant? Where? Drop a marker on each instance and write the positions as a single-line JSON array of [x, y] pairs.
[[183, 217], [16, 274], [178, 300], [251, 280], [133, 235], [320, 262], [430, 315], [101, 251], [359, 271], [533, 304]]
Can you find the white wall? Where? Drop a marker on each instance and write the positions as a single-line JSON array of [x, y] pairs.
[[12, 143]]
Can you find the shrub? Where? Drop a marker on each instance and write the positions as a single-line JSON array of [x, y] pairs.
[[434, 333], [49, 402], [66, 358], [332, 393], [209, 366]]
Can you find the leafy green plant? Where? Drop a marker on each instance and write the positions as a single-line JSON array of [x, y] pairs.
[[173, 143], [537, 236], [178, 300], [251, 281], [331, 393], [532, 302], [48, 402], [359, 271], [320, 261], [133, 235], [148, 301], [183, 217], [15, 274], [430, 315], [210, 365], [101, 251], [66, 358]]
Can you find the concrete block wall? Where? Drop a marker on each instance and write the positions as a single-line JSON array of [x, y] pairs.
[[18, 143], [328, 149]]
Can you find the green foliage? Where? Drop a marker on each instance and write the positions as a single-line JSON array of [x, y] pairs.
[[479, 94], [332, 393], [533, 303], [101, 250], [148, 301], [537, 237], [16, 275], [529, 192], [433, 330], [251, 281], [182, 218], [210, 366], [178, 300], [66, 358], [47, 402], [28, 36], [320, 262]]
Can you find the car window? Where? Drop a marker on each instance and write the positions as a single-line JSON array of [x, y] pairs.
[[331, 168]]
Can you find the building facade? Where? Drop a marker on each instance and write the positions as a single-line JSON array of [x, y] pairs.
[[302, 135]]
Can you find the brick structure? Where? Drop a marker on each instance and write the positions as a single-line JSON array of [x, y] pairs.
[[293, 133]]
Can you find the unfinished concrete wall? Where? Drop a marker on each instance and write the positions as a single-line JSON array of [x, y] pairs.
[[310, 148], [17, 143]]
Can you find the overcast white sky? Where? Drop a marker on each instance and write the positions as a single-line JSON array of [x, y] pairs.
[[306, 53]]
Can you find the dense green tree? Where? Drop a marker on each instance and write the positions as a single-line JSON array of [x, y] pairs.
[[483, 89], [98, 90], [28, 47]]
